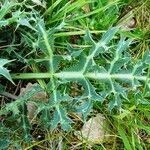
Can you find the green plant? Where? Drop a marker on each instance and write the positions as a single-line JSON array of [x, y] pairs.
[[3, 71], [118, 73], [103, 69]]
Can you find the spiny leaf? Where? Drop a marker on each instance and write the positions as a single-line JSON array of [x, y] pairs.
[[101, 46], [58, 97], [109, 35], [3, 71], [45, 116], [44, 38], [14, 106], [84, 108], [146, 57], [110, 66], [4, 143], [90, 92], [26, 128], [4, 23], [6, 7], [88, 38], [60, 116], [74, 52]]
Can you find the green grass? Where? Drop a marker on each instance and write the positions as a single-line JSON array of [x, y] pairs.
[[67, 22]]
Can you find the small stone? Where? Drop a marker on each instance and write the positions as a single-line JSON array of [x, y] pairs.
[[94, 130]]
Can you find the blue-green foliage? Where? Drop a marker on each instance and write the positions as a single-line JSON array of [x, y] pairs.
[[3, 71], [118, 72]]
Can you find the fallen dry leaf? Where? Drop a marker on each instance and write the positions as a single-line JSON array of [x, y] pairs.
[[42, 96]]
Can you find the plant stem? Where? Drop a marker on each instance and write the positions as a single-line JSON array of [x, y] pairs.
[[9, 95], [75, 75], [31, 75]]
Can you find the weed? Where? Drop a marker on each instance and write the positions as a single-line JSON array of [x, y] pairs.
[[99, 68]]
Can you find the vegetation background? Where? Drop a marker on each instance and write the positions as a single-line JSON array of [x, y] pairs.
[[34, 31]]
